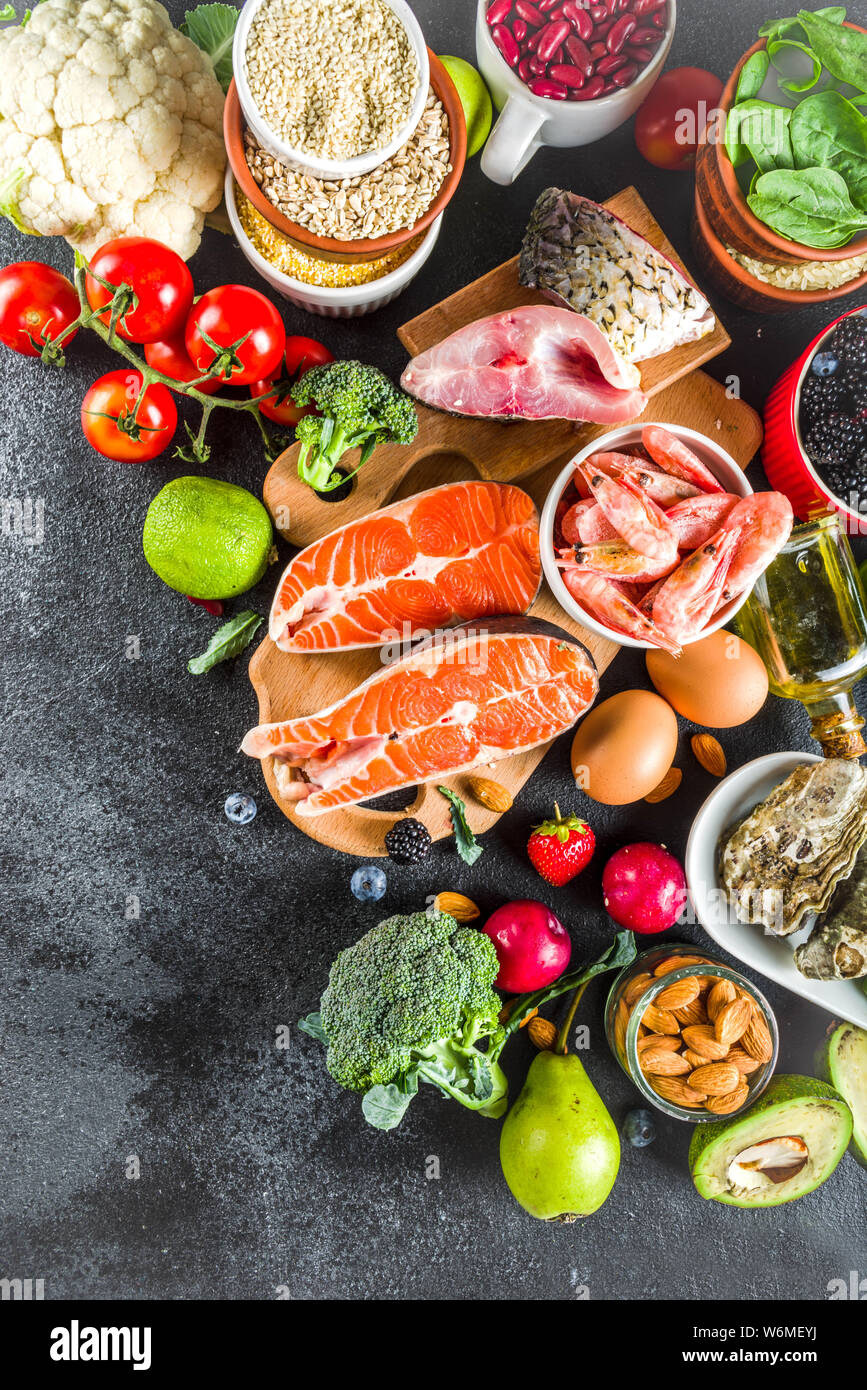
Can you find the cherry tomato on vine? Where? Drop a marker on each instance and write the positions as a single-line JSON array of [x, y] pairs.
[[160, 280], [281, 409], [238, 331], [36, 303], [304, 353], [120, 427], [674, 117], [170, 357]]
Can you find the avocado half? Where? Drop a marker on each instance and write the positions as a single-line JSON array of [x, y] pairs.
[[842, 1061], [783, 1147]]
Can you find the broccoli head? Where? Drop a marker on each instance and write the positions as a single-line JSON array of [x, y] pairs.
[[359, 408]]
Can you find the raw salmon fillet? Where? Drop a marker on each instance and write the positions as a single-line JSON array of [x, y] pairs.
[[466, 550], [529, 363], [474, 695]]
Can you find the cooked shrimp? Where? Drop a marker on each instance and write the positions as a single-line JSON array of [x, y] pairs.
[[615, 560], [675, 458], [696, 519], [661, 487], [586, 524], [764, 521], [633, 515], [605, 602], [687, 599]]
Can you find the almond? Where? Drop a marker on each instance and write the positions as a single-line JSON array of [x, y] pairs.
[[661, 1061], [491, 794], [667, 787], [745, 1064], [726, 1105], [709, 752], [542, 1033], [659, 1020], [691, 1013], [678, 995], [694, 1058], [722, 993], [621, 1020], [674, 1089], [732, 1021], [715, 1078], [700, 1038], [756, 1038], [665, 1041], [677, 963], [457, 906], [636, 988]]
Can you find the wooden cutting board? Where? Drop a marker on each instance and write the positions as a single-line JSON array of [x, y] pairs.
[[501, 452], [288, 685]]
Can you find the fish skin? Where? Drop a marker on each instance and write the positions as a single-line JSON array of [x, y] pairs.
[[477, 694], [458, 552], [534, 362], [577, 253]]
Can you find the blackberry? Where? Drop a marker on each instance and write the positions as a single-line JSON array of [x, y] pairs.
[[850, 336], [819, 396], [835, 439], [853, 380], [408, 842]]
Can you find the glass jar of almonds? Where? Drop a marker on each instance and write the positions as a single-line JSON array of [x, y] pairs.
[[697, 1038]]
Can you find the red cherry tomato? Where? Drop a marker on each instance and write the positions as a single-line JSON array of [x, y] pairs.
[[281, 409], [160, 279], [114, 427], [170, 357], [36, 302], [239, 331], [304, 353], [674, 117]]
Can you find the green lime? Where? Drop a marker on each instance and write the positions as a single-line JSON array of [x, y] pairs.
[[475, 99], [207, 538]]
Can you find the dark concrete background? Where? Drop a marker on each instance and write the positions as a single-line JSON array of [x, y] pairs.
[[155, 1036]]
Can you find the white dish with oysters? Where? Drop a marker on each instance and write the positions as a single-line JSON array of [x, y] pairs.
[[733, 800]]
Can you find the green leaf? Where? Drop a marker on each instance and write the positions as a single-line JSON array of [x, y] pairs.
[[779, 49], [781, 28], [830, 132], [764, 128], [312, 1026], [212, 28], [467, 845], [753, 74], [481, 1076], [9, 186], [621, 952], [842, 51], [7, 14], [384, 1107], [811, 206], [229, 640]]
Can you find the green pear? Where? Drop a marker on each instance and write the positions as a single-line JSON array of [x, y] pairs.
[[559, 1147]]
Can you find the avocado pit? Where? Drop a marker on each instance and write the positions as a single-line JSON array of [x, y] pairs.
[[774, 1160]]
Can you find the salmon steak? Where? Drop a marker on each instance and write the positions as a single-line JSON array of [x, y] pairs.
[[473, 695], [530, 363], [466, 550]]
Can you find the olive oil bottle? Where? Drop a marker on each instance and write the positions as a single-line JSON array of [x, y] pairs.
[[807, 619]]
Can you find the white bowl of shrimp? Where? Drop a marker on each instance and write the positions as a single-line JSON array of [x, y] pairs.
[[646, 538]]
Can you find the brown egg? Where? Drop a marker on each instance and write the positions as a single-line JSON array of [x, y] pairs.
[[720, 681], [624, 747]]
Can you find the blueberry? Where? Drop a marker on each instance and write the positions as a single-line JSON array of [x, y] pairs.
[[824, 364], [640, 1128], [368, 883], [240, 809]]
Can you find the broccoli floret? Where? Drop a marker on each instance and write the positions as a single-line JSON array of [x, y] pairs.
[[408, 1002], [360, 408]]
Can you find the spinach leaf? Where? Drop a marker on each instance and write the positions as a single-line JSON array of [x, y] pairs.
[[828, 131], [779, 50], [764, 129], [753, 74], [781, 28], [621, 952], [842, 51], [230, 639], [466, 843], [811, 206]]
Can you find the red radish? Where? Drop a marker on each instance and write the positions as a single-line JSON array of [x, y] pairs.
[[644, 888], [532, 945]]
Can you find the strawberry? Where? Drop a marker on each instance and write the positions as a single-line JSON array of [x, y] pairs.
[[559, 849]]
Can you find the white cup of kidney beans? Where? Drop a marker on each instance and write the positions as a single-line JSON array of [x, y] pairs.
[[565, 72]]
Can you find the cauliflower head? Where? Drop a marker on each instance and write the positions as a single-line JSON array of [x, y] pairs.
[[110, 125]]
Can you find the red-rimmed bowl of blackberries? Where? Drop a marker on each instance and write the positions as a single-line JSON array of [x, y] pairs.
[[815, 448]]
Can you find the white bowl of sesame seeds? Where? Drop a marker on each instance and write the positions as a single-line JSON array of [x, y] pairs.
[[333, 87]]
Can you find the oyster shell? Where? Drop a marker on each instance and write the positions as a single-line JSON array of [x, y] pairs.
[[785, 860], [837, 946]]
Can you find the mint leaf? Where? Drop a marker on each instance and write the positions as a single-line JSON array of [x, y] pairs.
[[466, 843], [229, 640], [212, 28]]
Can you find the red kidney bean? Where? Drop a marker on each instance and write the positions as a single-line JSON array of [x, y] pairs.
[[623, 76], [623, 5], [537, 67], [580, 54], [524, 70], [519, 29], [552, 38], [638, 53], [620, 32], [526, 11], [644, 7], [497, 12], [644, 34], [564, 72], [609, 87], [556, 57], [596, 51], [600, 30], [544, 87], [505, 41], [592, 89], [659, 20], [532, 42], [546, 5], [578, 18], [609, 64]]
